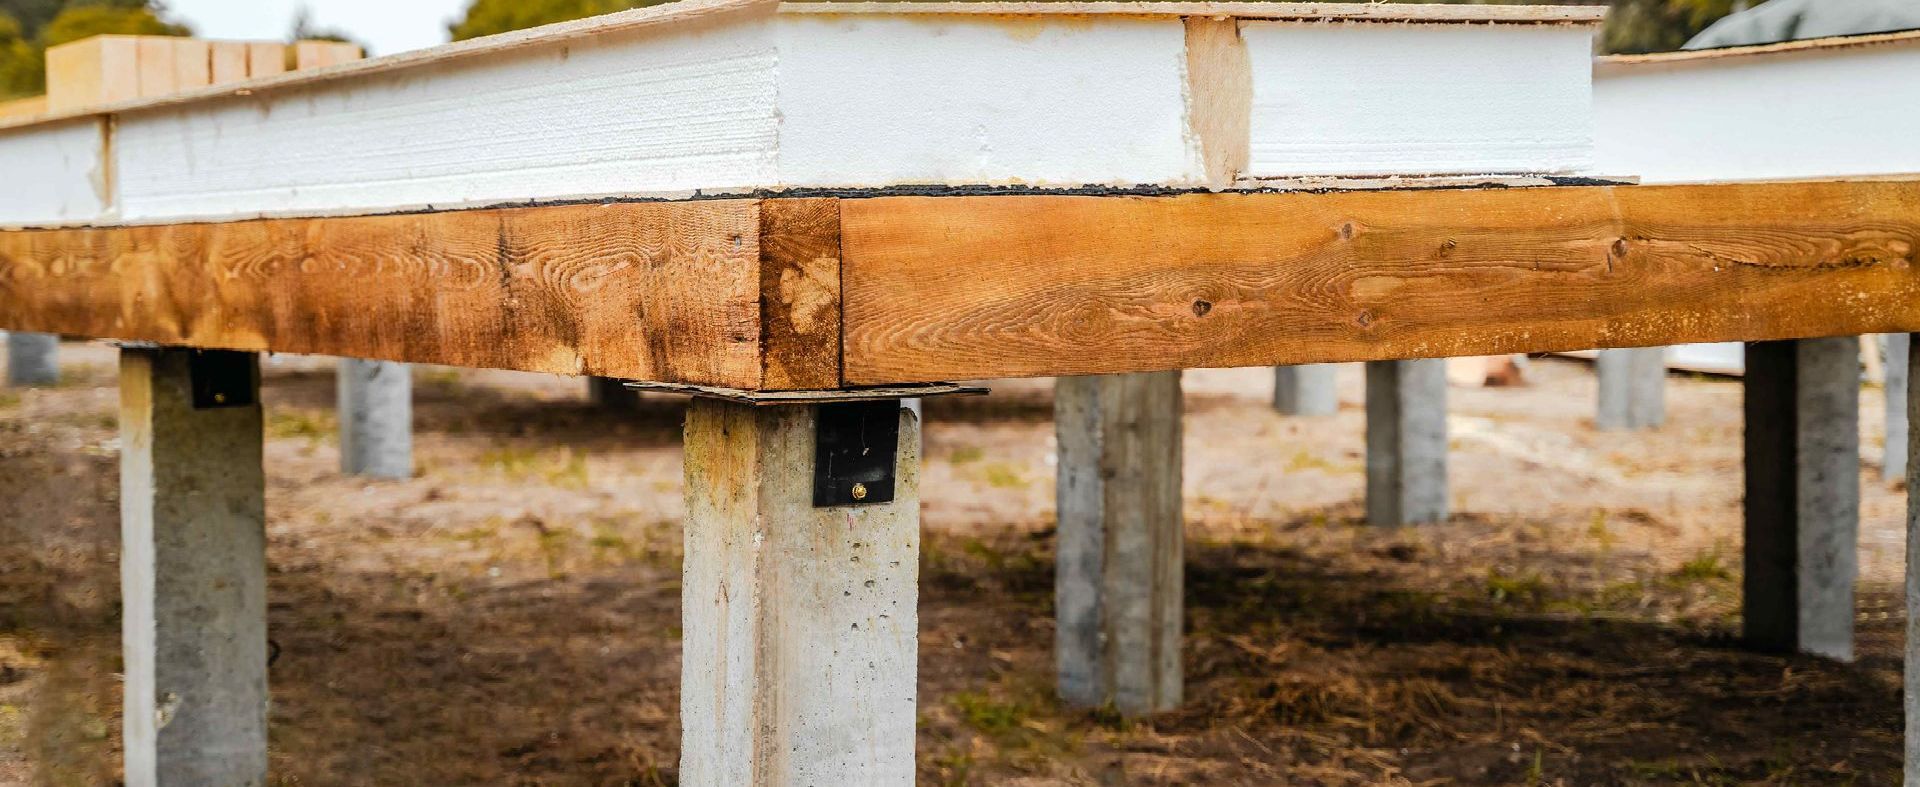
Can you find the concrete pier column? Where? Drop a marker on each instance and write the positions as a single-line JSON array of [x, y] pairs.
[[1802, 495], [1407, 442], [1633, 388], [376, 418], [1118, 572], [801, 623], [611, 394], [1306, 390], [1893, 463], [193, 569], [1911, 696], [33, 359]]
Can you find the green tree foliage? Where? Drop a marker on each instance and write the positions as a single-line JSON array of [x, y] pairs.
[[21, 71], [28, 27], [487, 17], [88, 20], [1636, 26]]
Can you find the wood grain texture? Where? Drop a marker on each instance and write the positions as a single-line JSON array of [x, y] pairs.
[[1005, 286], [655, 291], [800, 293]]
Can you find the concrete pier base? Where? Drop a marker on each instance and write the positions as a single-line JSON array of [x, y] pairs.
[[611, 394], [1407, 442], [1802, 495], [1893, 462], [1633, 388], [33, 359], [376, 418], [193, 570], [1118, 572], [801, 623], [1306, 390]]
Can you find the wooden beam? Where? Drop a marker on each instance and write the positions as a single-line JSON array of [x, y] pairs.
[[943, 288], [651, 291]]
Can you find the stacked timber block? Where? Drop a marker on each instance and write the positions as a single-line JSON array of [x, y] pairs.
[[106, 70]]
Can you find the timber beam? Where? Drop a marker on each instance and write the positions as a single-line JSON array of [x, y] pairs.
[[875, 289]]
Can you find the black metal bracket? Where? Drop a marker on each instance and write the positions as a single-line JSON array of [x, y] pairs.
[[855, 444], [222, 379]]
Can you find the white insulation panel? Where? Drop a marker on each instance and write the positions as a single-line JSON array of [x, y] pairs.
[[54, 174], [1397, 99], [1811, 114], [669, 110], [876, 100]]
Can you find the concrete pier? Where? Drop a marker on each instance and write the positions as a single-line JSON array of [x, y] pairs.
[[1911, 696], [1306, 390], [1893, 462], [376, 418], [1407, 442], [1802, 495], [1633, 388], [1118, 571], [33, 359], [193, 569], [801, 623]]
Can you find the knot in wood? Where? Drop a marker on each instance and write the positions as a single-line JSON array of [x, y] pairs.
[[1201, 307]]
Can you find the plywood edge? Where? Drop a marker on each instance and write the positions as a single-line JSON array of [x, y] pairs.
[[1331, 12], [1621, 64], [800, 293], [681, 12], [1219, 96]]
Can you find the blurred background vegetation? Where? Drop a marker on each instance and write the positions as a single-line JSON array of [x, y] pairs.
[[28, 27]]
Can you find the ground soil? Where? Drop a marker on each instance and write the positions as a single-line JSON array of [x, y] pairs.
[[511, 615]]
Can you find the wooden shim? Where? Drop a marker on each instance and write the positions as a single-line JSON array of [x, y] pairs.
[[1219, 95], [800, 292], [645, 291], [983, 287]]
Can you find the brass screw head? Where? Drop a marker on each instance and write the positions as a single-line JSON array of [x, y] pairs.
[[859, 491]]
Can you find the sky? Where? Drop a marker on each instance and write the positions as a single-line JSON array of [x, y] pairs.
[[384, 26]]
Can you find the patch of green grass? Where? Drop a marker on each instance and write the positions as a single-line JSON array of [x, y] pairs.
[[438, 376], [1597, 529], [966, 454], [565, 467], [1704, 567], [9, 399], [997, 719], [310, 424], [1001, 475], [1528, 588]]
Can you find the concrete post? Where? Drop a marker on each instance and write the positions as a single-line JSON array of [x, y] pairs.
[[801, 623], [1893, 464], [1802, 495], [33, 359], [1911, 696], [611, 394], [1633, 388], [1118, 572], [1407, 442], [376, 418], [1305, 390], [193, 569]]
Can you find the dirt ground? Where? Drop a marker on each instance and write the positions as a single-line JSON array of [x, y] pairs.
[[511, 615]]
